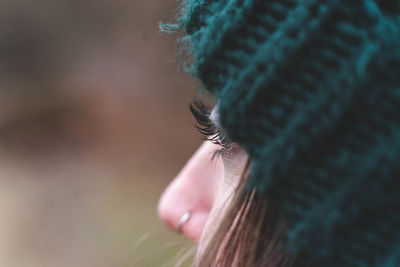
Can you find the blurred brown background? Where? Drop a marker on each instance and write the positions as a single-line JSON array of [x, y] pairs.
[[93, 126]]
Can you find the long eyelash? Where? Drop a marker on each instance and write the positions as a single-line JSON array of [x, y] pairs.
[[204, 124], [208, 129]]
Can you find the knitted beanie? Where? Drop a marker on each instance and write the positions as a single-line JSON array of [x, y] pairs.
[[311, 90]]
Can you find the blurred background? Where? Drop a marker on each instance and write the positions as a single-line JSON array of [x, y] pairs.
[[93, 125]]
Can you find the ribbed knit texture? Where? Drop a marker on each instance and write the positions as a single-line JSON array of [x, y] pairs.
[[311, 89]]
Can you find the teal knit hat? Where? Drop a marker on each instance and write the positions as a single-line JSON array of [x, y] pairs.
[[311, 89]]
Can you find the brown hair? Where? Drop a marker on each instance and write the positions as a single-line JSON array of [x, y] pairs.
[[252, 234]]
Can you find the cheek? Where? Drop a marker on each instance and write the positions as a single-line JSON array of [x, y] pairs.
[[234, 165]]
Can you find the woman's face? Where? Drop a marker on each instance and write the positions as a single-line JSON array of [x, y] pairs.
[[204, 187]]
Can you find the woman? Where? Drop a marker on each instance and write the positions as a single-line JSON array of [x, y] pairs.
[[303, 164]]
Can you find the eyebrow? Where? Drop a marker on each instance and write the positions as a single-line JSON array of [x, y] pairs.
[[214, 117]]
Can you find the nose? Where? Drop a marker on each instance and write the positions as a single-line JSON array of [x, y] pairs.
[[194, 189]]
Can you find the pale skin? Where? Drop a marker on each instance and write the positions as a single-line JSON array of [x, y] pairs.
[[204, 187]]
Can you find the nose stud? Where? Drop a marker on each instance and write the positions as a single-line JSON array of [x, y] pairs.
[[185, 217]]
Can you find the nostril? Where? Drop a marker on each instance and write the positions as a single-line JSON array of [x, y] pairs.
[[183, 220], [171, 211]]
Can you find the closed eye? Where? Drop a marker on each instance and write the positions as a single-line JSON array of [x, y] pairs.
[[209, 129]]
